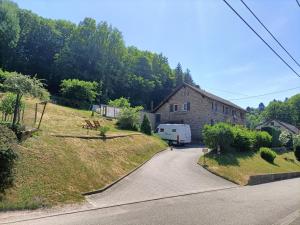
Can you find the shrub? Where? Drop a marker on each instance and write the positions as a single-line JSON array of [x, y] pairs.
[[262, 139], [286, 139], [7, 157], [297, 152], [296, 141], [7, 105], [297, 147], [129, 118], [243, 138], [120, 102], [103, 130], [79, 91], [267, 154], [145, 126], [275, 133], [219, 134]]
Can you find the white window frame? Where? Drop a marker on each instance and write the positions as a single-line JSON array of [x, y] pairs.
[[175, 107], [185, 107]]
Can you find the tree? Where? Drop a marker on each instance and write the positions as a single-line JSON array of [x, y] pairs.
[[120, 103], [294, 101], [79, 91], [145, 126], [188, 77], [282, 111], [9, 30], [261, 107], [178, 75], [7, 105], [24, 85]]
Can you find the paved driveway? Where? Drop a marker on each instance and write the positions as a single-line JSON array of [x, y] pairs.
[[169, 173]]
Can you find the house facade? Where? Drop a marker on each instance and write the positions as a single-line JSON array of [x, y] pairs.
[[279, 125], [196, 107]]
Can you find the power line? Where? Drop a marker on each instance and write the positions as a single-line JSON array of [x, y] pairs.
[[270, 93], [298, 3], [229, 92], [260, 37], [270, 32]]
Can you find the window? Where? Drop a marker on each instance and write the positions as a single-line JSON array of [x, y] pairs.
[[175, 107], [227, 110], [161, 130], [171, 108], [223, 109], [212, 122], [173, 130], [186, 106], [216, 107], [212, 106]]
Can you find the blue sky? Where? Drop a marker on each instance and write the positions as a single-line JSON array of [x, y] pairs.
[[205, 36]]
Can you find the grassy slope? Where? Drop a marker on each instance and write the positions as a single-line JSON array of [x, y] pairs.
[[237, 167], [53, 170]]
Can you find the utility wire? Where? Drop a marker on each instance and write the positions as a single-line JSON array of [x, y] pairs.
[[261, 23], [270, 93], [260, 37], [298, 2], [229, 92]]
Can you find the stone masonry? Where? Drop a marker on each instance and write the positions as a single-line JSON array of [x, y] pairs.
[[202, 109]]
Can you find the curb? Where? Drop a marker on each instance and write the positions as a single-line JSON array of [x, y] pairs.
[[121, 178], [218, 175], [119, 205], [93, 137]]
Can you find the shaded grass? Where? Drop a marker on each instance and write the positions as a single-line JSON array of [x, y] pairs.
[[52, 170], [238, 166]]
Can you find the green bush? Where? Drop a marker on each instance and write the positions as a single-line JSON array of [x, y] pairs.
[[7, 105], [7, 157], [129, 118], [275, 133], [297, 152], [145, 126], [103, 130], [296, 141], [267, 154], [262, 139], [286, 139], [120, 102], [243, 138], [220, 134], [78, 91]]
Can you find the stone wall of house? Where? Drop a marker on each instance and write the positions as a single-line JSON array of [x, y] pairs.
[[203, 110]]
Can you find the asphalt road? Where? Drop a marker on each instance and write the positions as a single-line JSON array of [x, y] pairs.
[[167, 174], [252, 205]]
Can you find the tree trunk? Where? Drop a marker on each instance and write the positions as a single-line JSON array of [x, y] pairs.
[[16, 109]]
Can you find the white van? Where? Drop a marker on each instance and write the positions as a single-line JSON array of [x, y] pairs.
[[175, 133]]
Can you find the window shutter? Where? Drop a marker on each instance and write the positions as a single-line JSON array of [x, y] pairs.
[[171, 108], [188, 106]]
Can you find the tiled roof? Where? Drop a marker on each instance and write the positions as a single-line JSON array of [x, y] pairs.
[[202, 92]]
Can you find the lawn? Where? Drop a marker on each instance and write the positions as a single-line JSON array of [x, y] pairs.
[[53, 170], [237, 167]]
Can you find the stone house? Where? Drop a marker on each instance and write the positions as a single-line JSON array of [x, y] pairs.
[[279, 125], [196, 107]]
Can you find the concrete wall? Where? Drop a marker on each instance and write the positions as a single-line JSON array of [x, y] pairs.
[[265, 178], [200, 113]]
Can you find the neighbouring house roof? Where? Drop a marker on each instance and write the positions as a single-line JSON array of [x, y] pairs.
[[287, 126], [201, 92]]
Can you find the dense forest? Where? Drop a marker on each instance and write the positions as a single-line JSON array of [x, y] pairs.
[[54, 50]]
